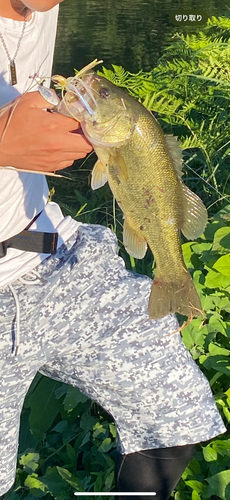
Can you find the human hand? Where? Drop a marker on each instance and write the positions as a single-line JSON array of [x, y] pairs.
[[37, 140]]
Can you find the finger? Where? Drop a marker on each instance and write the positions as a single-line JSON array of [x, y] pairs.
[[65, 164], [81, 139], [71, 143], [70, 124]]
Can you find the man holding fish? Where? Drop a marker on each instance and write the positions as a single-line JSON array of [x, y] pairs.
[[68, 306]]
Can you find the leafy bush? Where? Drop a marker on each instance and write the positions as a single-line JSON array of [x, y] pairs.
[[67, 447]]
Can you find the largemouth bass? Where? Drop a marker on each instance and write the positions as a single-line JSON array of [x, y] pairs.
[[143, 168]]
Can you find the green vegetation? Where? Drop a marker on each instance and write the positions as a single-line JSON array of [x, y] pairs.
[[71, 443]]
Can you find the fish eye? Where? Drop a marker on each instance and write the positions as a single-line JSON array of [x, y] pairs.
[[103, 92]]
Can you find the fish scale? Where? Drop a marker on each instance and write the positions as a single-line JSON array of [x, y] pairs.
[[160, 227]]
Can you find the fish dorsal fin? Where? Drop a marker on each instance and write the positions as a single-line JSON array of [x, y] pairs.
[[134, 244], [175, 153], [117, 166], [194, 214], [99, 175]]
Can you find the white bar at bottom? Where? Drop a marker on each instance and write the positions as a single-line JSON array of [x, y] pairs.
[[114, 493]]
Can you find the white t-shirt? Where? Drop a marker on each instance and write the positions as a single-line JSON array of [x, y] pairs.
[[23, 195]]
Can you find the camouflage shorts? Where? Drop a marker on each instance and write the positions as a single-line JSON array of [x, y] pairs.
[[84, 321]]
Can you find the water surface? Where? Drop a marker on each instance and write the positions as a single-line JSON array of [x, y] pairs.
[[130, 33]]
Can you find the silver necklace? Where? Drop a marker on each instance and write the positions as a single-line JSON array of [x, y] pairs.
[[13, 73]]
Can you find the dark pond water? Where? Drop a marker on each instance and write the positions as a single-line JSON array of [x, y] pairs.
[[130, 33]]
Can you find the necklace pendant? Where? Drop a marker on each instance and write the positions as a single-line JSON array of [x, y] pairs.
[[13, 73]]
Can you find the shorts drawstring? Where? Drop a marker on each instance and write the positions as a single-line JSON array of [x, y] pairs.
[[17, 330], [24, 281]]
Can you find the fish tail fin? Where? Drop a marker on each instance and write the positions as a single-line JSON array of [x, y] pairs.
[[174, 296]]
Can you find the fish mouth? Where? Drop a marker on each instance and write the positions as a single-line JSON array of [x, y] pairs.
[[82, 100], [78, 94], [79, 97], [78, 89]]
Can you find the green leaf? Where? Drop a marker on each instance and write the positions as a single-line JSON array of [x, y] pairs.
[[37, 488], [61, 426], [199, 248], [87, 422], [212, 229], [74, 481], [193, 334], [60, 391], [217, 363], [86, 438], [210, 455], [226, 412], [207, 302], [214, 279], [195, 485], [223, 265], [44, 406], [222, 446], [73, 398], [215, 378], [106, 445], [26, 439], [187, 249], [109, 482], [99, 430], [221, 240], [216, 349], [181, 495], [195, 495], [71, 454], [223, 302], [216, 325], [113, 430], [30, 461], [220, 484], [193, 469], [55, 484], [99, 482]]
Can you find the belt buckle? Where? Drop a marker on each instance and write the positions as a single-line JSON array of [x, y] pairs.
[[3, 249]]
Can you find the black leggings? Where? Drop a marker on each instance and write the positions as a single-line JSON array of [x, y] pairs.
[[157, 470]]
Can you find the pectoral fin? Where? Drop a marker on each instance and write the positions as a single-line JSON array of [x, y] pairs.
[[194, 215], [117, 167], [134, 244], [99, 175]]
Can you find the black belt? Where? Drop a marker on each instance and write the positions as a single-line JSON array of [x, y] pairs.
[[31, 241]]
